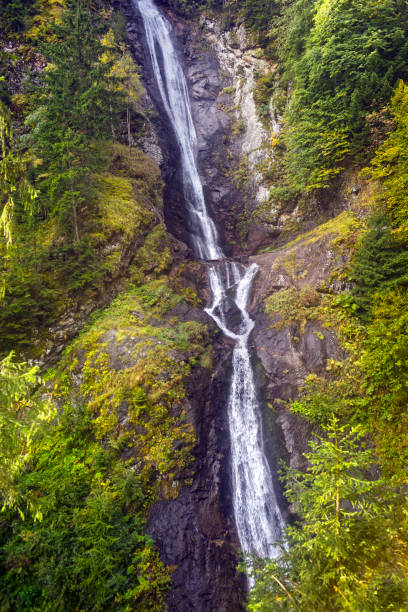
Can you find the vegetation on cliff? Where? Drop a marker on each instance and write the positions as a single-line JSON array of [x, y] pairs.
[[333, 69], [65, 115], [338, 77], [348, 549], [89, 448], [74, 533]]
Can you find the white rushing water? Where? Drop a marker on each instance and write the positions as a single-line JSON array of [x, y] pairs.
[[258, 517]]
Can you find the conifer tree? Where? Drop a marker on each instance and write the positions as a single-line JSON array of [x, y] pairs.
[[75, 113], [343, 68], [124, 75], [381, 263], [14, 186], [342, 555]]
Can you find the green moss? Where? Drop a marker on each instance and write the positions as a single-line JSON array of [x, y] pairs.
[[133, 163], [295, 306], [153, 258], [238, 127], [118, 207], [240, 174], [129, 194], [45, 275], [340, 228], [263, 91], [134, 357]]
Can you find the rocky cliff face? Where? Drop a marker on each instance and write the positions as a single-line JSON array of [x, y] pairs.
[[292, 336], [233, 151], [195, 533]]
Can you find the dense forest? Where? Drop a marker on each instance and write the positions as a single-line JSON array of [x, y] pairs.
[[88, 447]]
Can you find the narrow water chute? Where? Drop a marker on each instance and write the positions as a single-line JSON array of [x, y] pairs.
[[257, 514]]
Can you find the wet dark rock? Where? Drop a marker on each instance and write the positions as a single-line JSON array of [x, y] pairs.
[[213, 125], [231, 312], [289, 351], [195, 532], [295, 436], [259, 235], [316, 346], [183, 312]]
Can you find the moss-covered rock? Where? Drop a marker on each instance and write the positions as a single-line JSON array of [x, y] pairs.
[[51, 285], [297, 316], [129, 366]]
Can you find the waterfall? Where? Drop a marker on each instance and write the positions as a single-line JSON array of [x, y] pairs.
[[257, 514]]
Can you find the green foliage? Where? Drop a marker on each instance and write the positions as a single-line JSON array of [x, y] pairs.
[[349, 552], [15, 189], [39, 279], [390, 165], [41, 274], [77, 493], [289, 305], [54, 234], [89, 550], [15, 14], [124, 72], [384, 362], [348, 61], [79, 106], [344, 556], [263, 91], [370, 386], [21, 419], [259, 13], [156, 353], [295, 27], [317, 142], [190, 6], [77, 78], [380, 264]]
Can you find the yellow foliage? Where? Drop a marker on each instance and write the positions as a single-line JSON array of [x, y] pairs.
[[123, 68], [120, 211]]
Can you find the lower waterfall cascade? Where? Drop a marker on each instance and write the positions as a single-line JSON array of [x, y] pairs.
[[258, 517]]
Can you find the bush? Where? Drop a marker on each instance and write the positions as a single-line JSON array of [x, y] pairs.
[[89, 550]]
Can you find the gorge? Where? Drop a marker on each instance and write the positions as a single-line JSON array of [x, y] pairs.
[[203, 305], [257, 514]]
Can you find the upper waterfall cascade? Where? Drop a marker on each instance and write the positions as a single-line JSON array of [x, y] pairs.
[[257, 514]]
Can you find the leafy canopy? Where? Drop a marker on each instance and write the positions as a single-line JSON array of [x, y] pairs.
[[346, 64]]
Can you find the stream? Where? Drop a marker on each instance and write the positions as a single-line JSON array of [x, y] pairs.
[[257, 514]]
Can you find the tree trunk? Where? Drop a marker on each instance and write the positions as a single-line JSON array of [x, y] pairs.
[[74, 216], [111, 122], [128, 125], [35, 255], [338, 515]]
